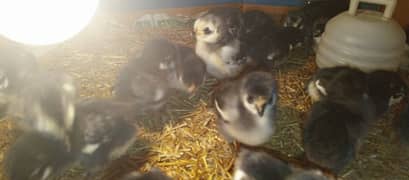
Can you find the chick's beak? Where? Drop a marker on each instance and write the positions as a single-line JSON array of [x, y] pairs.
[[260, 103]]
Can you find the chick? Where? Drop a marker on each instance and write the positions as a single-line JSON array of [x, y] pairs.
[[37, 156], [256, 164], [264, 43], [149, 79], [102, 132], [283, 42], [190, 71], [256, 24], [145, 80], [259, 165], [246, 108], [386, 88], [16, 66], [332, 134], [217, 41], [153, 174], [46, 104], [313, 16], [344, 85]]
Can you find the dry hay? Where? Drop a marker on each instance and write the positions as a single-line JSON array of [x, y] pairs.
[[187, 146]]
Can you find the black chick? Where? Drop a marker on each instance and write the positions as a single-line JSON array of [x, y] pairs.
[[190, 70], [313, 16], [260, 166], [256, 24], [102, 132], [386, 88], [283, 42], [332, 134], [148, 79], [342, 84], [153, 174], [256, 164], [46, 105], [37, 156]]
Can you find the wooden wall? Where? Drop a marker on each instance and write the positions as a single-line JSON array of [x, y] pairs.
[[402, 12]]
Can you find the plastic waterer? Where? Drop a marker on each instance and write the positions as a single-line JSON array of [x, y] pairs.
[[368, 40]]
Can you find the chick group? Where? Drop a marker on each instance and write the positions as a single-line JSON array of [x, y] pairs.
[[240, 50]]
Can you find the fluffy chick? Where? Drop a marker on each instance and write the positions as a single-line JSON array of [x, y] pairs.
[[246, 108], [332, 135], [190, 71], [343, 85], [46, 104], [313, 16], [386, 88], [259, 165], [217, 41], [283, 41], [102, 132], [148, 79], [16, 66], [35, 156]]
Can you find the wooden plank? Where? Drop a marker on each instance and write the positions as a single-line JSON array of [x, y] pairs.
[[402, 12]]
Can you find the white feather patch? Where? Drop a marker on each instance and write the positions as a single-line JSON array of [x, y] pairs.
[[224, 116], [90, 148], [47, 173], [320, 88], [313, 92], [240, 175], [393, 101], [70, 116]]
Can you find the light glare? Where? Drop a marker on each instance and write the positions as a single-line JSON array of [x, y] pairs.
[[44, 22]]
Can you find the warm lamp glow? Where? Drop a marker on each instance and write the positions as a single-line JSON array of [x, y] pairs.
[[44, 22]]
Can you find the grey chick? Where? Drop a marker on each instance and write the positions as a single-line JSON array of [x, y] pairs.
[[252, 165], [16, 66], [153, 174], [148, 79], [386, 88], [246, 108], [332, 135], [190, 71], [283, 41], [217, 41], [102, 132], [36, 156], [343, 85], [256, 38], [46, 105], [260, 164]]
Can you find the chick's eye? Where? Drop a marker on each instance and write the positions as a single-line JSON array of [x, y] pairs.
[[207, 31]]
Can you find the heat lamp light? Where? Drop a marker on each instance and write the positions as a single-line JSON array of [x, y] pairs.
[[44, 22]]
